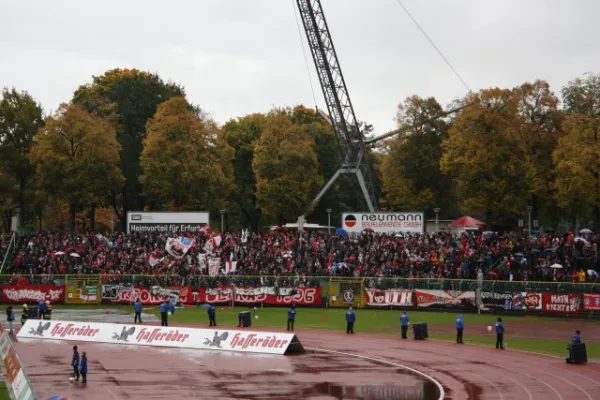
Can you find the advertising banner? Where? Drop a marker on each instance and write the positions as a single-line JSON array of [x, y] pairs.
[[591, 302], [560, 303], [446, 298], [137, 335], [389, 297], [17, 382], [126, 294], [166, 222], [495, 300], [82, 291], [400, 222], [32, 293], [526, 301]]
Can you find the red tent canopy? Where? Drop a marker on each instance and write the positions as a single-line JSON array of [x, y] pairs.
[[466, 222]]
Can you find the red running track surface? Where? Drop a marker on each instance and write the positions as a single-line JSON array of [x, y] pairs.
[[466, 371]]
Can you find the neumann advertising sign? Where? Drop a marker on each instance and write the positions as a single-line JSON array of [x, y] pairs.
[[400, 222], [166, 222]]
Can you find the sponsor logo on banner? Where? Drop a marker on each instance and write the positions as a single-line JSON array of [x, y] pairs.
[[80, 292], [166, 222], [526, 301], [27, 293], [389, 297], [208, 339], [591, 302], [348, 297], [406, 222], [447, 298], [560, 303]]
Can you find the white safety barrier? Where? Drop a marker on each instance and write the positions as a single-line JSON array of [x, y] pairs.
[[17, 382], [162, 336]]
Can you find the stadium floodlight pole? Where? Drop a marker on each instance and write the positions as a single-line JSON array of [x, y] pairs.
[[222, 212], [437, 219], [529, 208], [329, 220]]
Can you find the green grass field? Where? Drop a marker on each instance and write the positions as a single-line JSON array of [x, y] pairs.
[[384, 322]]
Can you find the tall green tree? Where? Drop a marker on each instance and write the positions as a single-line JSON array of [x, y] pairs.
[[127, 98], [77, 158], [486, 155], [286, 168], [412, 178], [241, 134], [20, 118], [186, 161], [540, 129]]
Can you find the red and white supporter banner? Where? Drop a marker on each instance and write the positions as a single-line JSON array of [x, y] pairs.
[[560, 303], [591, 302], [448, 298], [526, 301], [389, 297], [139, 335], [27, 293], [124, 294]]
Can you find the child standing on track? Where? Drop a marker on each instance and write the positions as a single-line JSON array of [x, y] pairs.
[[84, 368]]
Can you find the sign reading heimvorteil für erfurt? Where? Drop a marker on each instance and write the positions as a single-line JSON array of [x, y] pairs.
[[166, 222]]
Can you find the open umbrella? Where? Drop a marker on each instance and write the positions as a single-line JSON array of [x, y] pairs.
[[466, 222], [556, 266], [580, 239], [341, 231], [75, 255], [59, 253], [585, 230]]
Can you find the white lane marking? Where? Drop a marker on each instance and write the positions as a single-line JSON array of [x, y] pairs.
[[424, 375]]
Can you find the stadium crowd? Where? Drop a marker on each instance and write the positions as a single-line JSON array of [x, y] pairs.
[[284, 253]]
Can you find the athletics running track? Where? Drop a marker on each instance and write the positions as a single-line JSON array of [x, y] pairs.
[[465, 371]]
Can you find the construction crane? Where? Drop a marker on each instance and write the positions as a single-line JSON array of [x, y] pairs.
[[341, 115]]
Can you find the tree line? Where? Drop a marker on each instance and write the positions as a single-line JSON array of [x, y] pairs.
[[129, 141]]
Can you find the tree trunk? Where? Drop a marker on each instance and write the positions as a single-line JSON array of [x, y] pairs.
[[488, 220], [92, 218], [72, 213], [596, 216], [39, 222], [22, 213]]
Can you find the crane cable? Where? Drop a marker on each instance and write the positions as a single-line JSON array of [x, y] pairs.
[[312, 89], [434, 46]]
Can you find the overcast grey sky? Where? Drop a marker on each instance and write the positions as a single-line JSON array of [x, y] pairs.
[[236, 57]]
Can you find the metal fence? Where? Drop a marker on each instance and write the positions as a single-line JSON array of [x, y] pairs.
[[323, 281]]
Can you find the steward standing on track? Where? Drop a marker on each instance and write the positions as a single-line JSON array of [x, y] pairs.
[[212, 315], [291, 318], [350, 319], [499, 334], [404, 324], [164, 308], [25, 314], [41, 309], [460, 325], [75, 363], [48, 312], [137, 308], [10, 317]]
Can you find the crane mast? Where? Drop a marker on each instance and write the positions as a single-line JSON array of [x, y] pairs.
[[341, 113]]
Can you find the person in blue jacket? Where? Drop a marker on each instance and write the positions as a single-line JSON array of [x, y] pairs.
[[460, 325], [212, 318], [404, 322], [75, 363], [164, 309], [83, 368], [576, 338], [41, 309], [291, 318], [350, 319], [499, 334], [137, 308]]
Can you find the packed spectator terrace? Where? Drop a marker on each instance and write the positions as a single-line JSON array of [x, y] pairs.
[[298, 257]]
